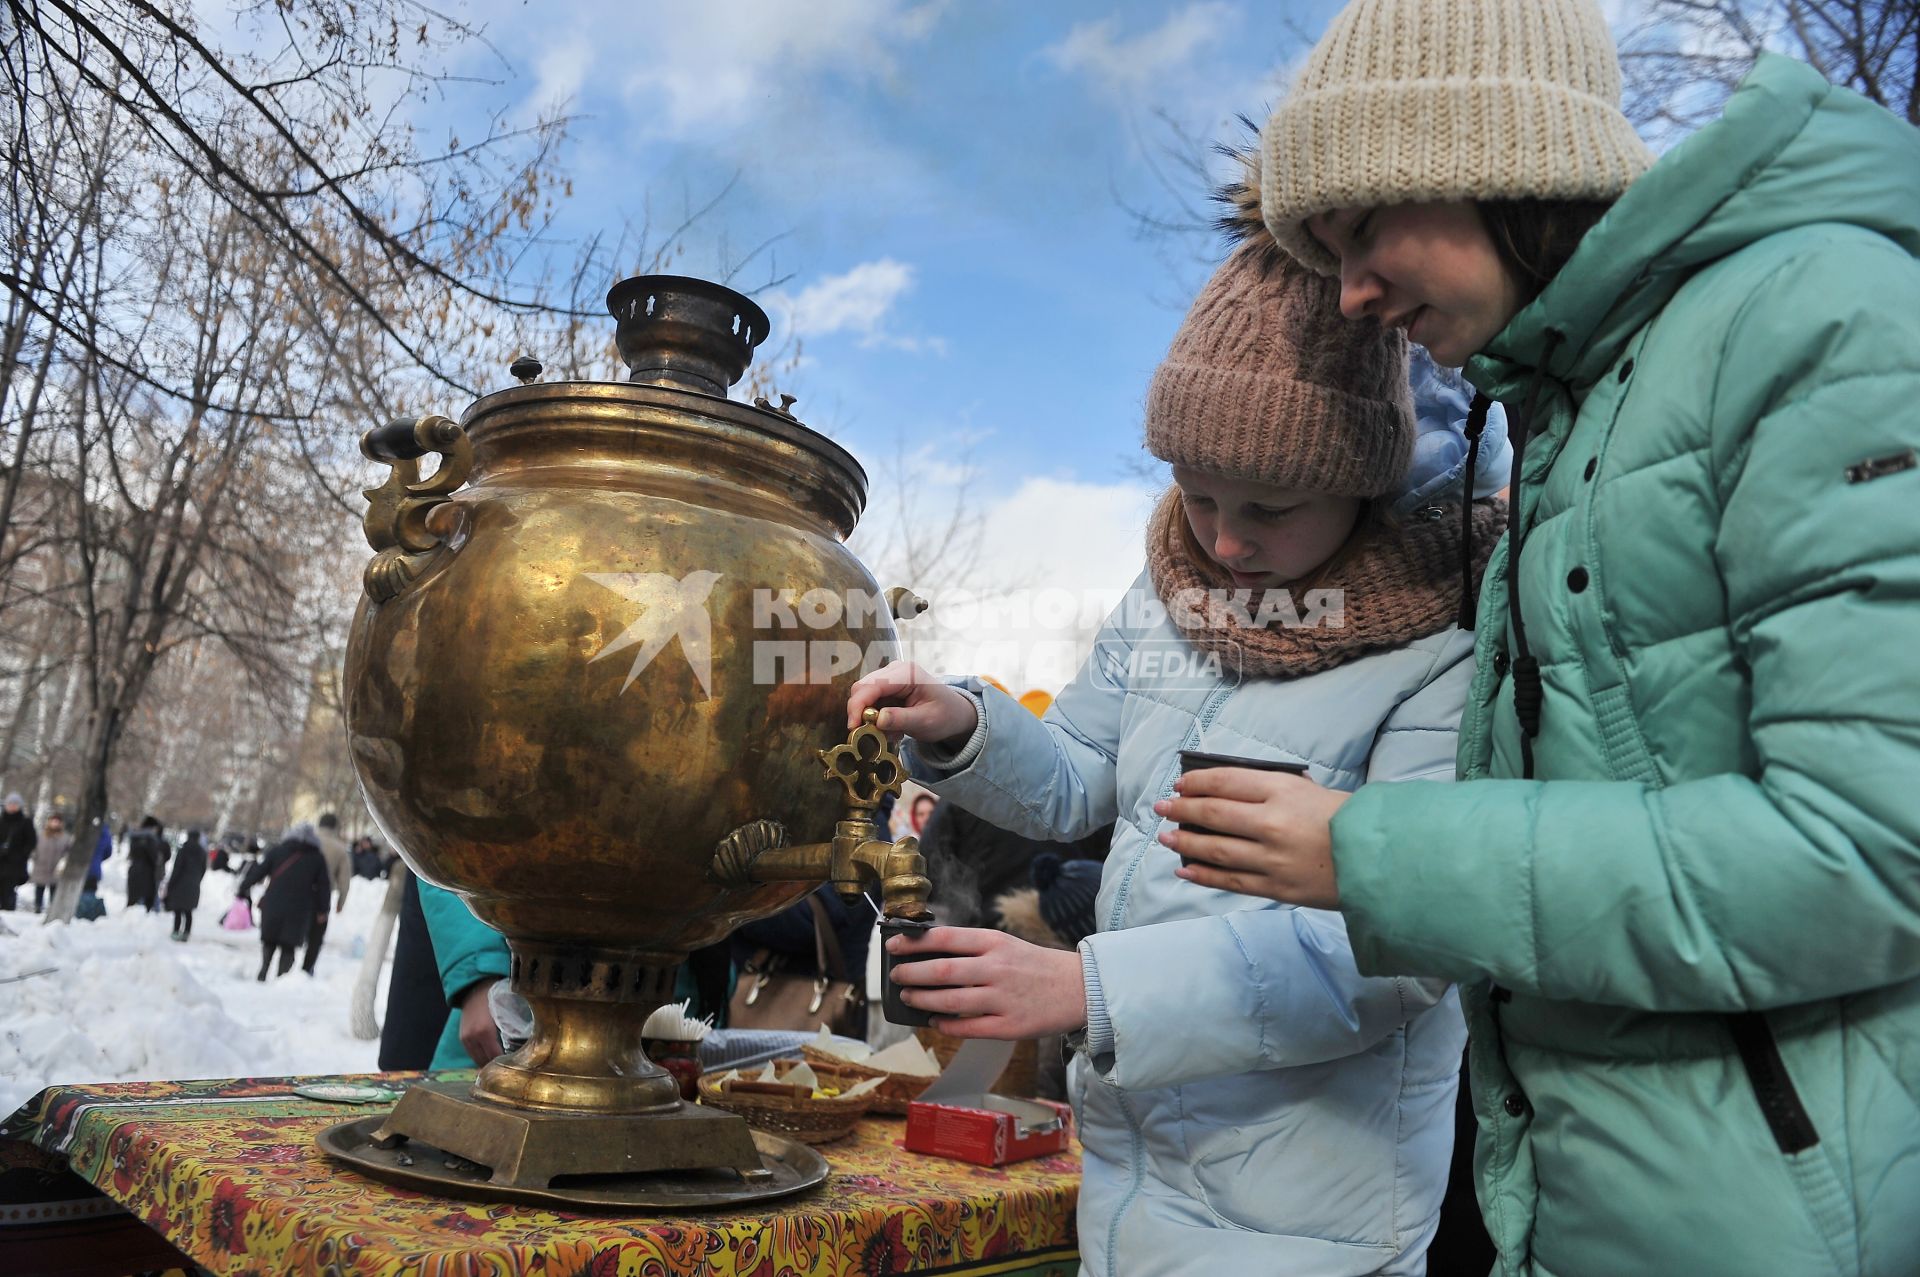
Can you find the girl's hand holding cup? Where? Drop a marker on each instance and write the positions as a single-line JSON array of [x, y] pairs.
[[1269, 834], [913, 703], [987, 984]]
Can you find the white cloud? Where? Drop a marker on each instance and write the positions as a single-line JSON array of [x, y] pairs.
[[559, 73], [1144, 67], [859, 301], [1055, 559], [713, 63], [1065, 532], [1052, 559], [925, 465], [1189, 71]]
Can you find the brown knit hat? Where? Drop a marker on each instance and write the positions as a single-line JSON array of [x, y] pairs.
[[1268, 382]]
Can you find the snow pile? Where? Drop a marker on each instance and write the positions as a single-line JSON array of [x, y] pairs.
[[107, 1005], [118, 1000]]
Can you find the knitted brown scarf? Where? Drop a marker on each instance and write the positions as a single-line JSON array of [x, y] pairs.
[[1400, 582]]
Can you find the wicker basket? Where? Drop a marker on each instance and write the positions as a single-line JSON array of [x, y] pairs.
[[1017, 1080], [894, 1094], [810, 1121]]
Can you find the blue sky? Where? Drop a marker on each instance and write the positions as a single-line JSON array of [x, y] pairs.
[[947, 179]]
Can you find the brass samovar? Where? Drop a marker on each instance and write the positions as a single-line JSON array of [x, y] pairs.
[[570, 700]]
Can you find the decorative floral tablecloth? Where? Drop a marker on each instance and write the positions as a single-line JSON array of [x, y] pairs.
[[228, 1172]]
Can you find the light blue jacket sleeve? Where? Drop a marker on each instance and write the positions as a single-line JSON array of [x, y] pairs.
[[1052, 778], [1266, 988], [1442, 402]]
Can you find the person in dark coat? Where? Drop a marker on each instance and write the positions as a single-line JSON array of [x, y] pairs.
[[416, 1005], [146, 859], [297, 888], [17, 841], [183, 888], [974, 864], [367, 860]]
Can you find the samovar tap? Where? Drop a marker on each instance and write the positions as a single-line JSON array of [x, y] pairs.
[[857, 858]]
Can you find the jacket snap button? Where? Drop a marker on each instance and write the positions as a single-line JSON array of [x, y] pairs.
[[1626, 370], [1515, 1106], [1593, 464], [1500, 663], [1577, 580]]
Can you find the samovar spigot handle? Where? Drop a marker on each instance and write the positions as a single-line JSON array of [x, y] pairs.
[[401, 522], [869, 770], [866, 765], [858, 857]]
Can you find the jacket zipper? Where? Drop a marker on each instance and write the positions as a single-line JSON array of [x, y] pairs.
[[1780, 1104]]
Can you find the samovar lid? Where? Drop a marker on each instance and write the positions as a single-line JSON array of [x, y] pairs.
[[674, 330], [684, 341]]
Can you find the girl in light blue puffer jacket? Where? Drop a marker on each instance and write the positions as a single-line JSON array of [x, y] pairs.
[[1247, 1102]]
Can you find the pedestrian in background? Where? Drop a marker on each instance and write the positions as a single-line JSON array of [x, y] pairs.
[[367, 861], [183, 888], [45, 866], [146, 862], [17, 841], [102, 848], [975, 865], [417, 1008], [339, 873], [295, 872]]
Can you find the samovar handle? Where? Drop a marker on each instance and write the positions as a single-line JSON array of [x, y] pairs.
[[400, 523]]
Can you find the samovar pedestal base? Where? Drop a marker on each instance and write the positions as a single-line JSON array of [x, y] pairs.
[[530, 1148], [439, 1140]]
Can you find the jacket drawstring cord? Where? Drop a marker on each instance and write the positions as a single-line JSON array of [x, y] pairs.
[[1528, 692], [1476, 424]]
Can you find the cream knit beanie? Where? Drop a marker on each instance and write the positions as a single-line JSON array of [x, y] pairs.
[[1425, 101]]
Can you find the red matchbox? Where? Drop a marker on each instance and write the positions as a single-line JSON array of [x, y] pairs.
[[988, 1130]]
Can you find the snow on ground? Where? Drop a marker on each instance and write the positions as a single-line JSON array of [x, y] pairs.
[[124, 1002]]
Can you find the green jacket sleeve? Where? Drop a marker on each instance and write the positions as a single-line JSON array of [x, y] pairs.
[[1800, 880], [465, 948]]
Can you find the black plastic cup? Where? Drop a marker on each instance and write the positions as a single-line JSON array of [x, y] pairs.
[[896, 1011], [1193, 760]]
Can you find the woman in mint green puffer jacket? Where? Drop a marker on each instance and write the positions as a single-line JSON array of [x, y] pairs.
[[1680, 886]]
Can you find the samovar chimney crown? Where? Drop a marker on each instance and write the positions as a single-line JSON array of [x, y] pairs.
[[690, 333]]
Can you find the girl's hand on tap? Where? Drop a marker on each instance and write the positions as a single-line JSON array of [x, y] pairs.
[[913, 703]]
